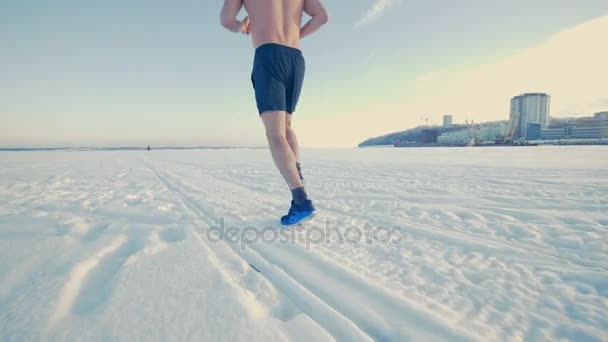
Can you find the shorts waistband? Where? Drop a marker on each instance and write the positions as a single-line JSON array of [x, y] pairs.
[[277, 46]]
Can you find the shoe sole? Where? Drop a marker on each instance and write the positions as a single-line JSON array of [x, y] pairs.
[[300, 222]]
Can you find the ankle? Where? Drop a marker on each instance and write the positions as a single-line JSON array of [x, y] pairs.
[[299, 195]]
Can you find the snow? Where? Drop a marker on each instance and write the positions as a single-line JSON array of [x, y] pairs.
[[435, 244]]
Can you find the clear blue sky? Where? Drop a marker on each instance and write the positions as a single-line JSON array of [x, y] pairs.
[[164, 72]]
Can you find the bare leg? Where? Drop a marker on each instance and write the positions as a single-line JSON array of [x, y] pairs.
[[292, 140], [282, 153]]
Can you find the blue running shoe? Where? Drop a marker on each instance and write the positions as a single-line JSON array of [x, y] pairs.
[[298, 213]]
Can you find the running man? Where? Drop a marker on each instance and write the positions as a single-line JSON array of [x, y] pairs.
[[277, 77]]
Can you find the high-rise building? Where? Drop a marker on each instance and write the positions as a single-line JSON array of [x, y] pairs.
[[447, 120], [530, 108]]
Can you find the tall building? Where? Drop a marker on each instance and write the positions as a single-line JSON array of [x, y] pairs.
[[530, 108], [447, 120]]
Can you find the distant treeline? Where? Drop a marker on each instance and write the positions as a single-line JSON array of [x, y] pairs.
[[415, 134], [411, 135], [26, 149]]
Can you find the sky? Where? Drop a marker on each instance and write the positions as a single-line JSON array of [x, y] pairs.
[[139, 72]]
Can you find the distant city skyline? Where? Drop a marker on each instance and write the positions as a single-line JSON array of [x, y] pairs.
[[121, 74], [529, 120]]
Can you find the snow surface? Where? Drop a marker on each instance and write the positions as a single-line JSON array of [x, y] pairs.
[[455, 244]]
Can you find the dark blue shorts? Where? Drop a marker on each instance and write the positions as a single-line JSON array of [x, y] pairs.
[[277, 77]]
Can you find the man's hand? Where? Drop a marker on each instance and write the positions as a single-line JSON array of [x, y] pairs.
[[246, 26]]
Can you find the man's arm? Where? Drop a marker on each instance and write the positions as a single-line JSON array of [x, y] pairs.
[[228, 16], [319, 17]]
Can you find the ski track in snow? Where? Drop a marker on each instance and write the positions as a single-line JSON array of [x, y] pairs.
[[494, 244], [377, 313], [338, 325]]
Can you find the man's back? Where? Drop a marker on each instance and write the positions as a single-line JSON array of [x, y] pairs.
[[275, 21]]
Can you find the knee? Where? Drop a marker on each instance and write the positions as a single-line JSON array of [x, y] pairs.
[[276, 138], [289, 133]]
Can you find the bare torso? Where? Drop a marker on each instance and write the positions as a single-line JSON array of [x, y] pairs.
[[275, 21]]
